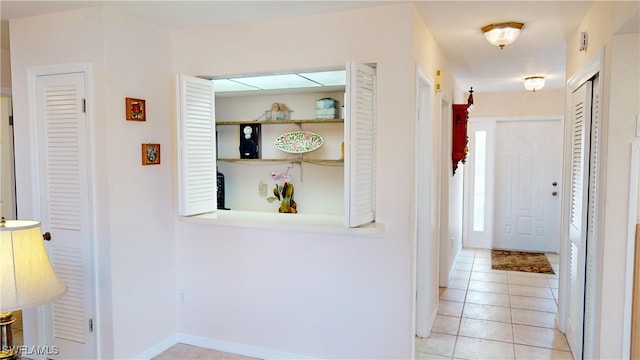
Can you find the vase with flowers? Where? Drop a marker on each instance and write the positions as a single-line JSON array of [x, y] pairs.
[[283, 193]]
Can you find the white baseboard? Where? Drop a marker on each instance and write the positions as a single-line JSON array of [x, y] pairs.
[[158, 348], [434, 315], [235, 348], [452, 268], [220, 345]]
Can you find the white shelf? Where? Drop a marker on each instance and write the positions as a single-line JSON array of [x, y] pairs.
[[273, 220], [276, 122], [307, 161]]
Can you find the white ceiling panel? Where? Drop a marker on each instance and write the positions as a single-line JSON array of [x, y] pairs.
[[224, 85], [273, 82], [327, 78]]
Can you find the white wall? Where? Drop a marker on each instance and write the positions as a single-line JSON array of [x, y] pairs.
[[137, 64], [450, 225], [316, 294], [133, 204], [620, 105], [312, 294], [624, 107], [545, 102], [447, 190], [5, 69]]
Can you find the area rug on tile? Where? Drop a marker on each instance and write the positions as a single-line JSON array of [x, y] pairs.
[[520, 261]]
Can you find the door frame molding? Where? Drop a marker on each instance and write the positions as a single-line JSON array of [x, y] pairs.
[[423, 319], [593, 67], [628, 313], [445, 245], [38, 315]]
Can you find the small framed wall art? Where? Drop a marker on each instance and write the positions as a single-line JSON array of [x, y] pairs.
[[150, 154], [136, 109]]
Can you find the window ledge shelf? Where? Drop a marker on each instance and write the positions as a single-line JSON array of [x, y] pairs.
[[326, 224], [291, 160], [301, 121]]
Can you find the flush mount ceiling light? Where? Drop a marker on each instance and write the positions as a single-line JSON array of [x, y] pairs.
[[533, 83], [502, 34]]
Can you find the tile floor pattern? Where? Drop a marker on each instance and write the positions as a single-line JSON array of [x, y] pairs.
[[496, 314]]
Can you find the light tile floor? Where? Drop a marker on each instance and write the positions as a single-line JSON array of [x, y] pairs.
[[495, 314], [184, 351]]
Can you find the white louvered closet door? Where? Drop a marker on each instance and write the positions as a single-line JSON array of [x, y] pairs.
[[580, 149], [196, 146], [591, 267], [360, 149], [66, 212]]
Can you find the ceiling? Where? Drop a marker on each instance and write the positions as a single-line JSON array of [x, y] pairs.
[[455, 25]]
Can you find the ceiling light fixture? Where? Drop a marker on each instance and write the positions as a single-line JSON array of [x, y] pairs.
[[502, 34], [533, 83]]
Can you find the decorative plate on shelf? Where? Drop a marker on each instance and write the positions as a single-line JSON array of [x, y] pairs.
[[298, 142]]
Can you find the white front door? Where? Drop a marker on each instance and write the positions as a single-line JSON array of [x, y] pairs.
[[527, 191], [65, 211]]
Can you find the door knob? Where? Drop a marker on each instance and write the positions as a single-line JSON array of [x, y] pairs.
[[47, 236], [555, 193], [555, 183]]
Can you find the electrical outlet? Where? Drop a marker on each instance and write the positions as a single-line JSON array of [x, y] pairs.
[[262, 189], [181, 296]]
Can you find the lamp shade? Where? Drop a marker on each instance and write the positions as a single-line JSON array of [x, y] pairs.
[[502, 34], [533, 83], [26, 276]]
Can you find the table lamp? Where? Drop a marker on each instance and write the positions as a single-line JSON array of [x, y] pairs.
[[26, 276]]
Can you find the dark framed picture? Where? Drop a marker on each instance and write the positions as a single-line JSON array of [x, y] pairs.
[[136, 109], [150, 154]]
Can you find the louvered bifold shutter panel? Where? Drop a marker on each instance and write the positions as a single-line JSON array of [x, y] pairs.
[[581, 108], [62, 157], [360, 151], [592, 228], [196, 146], [581, 120], [65, 204], [69, 321]]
